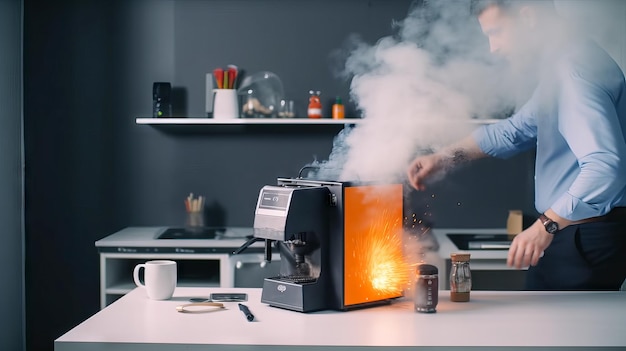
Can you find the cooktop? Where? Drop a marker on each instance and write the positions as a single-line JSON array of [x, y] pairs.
[[192, 233], [481, 241]]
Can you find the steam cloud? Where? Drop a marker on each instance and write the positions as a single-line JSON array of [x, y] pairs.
[[419, 88], [416, 89]]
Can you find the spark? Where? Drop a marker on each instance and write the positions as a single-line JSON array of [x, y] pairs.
[[385, 268]]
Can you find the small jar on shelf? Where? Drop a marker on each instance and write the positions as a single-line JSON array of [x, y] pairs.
[[315, 104]]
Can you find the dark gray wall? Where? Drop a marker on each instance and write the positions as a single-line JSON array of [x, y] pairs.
[[70, 89], [229, 165], [89, 67], [11, 249]]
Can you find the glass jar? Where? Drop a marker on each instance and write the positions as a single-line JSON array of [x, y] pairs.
[[426, 294], [460, 277]]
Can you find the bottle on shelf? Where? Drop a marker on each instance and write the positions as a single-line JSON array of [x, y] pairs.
[[315, 104], [338, 109]]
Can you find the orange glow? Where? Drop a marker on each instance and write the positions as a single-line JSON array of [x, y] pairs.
[[386, 268], [375, 268]]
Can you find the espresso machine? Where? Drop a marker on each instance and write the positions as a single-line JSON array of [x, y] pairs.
[[340, 243]]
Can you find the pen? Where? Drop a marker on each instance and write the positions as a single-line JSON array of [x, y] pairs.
[[249, 316]]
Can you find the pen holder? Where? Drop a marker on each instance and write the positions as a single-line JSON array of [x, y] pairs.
[[194, 220], [225, 104]]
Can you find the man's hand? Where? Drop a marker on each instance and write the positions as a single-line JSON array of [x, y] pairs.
[[423, 167], [528, 246]]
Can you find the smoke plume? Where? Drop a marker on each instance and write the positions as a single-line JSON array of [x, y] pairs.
[[422, 87], [416, 89]]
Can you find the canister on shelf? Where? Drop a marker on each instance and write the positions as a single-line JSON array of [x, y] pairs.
[[460, 277]]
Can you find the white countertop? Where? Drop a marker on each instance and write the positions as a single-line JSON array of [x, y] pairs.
[[501, 320]]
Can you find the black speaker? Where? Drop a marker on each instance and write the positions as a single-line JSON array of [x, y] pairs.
[[161, 99]]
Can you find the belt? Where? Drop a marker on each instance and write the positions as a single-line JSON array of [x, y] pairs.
[[616, 214]]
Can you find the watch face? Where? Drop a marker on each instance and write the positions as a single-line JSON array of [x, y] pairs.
[[552, 227]]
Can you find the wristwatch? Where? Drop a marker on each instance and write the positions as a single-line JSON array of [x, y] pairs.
[[550, 225]]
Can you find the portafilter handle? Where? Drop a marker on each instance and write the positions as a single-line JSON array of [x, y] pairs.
[[268, 247], [246, 244]]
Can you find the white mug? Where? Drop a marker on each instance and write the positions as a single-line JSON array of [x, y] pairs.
[[225, 104], [160, 278]]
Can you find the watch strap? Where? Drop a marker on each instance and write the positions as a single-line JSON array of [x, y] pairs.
[[550, 225]]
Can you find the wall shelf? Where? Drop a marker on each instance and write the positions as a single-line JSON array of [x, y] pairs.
[[203, 125], [190, 121], [245, 121]]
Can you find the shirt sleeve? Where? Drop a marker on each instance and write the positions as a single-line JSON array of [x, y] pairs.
[[589, 123], [510, 136]]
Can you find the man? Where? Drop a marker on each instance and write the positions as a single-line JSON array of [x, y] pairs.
[[576, 119]]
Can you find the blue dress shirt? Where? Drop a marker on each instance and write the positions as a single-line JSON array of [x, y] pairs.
[[576, 118]]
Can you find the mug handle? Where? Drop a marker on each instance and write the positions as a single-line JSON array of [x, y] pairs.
[[136, 274]]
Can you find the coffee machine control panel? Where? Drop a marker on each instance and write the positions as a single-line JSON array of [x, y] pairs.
[[282, 212], [274, 199]]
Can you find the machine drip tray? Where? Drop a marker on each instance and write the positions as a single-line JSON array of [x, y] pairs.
[[192, 233], [481, 241], [296, 279]]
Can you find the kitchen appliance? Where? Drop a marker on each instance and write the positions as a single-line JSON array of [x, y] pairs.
[[481, 241], [340, 243], [161, 99], [192, 233]]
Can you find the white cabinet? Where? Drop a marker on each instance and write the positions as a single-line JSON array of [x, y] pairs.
[[194, 270], [200, 262]]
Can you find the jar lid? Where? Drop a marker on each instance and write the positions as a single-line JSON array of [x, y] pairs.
[[460, 257], [426, 269]]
